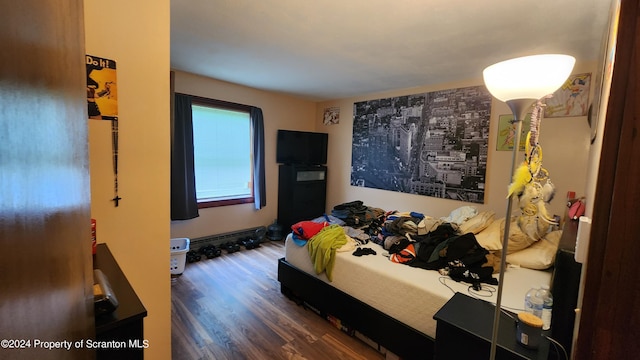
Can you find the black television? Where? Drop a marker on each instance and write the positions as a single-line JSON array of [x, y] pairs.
[[301, 147]]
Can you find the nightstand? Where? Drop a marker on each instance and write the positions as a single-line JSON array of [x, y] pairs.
[[465, 327]]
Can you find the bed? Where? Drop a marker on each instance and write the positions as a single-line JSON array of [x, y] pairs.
[[386, 304]]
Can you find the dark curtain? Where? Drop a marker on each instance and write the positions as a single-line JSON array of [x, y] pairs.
[[184, 204], [259, 186]]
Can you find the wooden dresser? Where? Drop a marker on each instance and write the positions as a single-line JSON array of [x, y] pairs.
[[124, 326]]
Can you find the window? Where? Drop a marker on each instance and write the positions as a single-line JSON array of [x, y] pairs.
[[218, 138], [222, 153]]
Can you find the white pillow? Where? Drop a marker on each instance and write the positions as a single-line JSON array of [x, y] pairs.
[[518, 240], [491, 237], [540, 255], [477, 223]]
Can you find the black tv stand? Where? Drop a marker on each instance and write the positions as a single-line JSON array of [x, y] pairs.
[[302, 193]]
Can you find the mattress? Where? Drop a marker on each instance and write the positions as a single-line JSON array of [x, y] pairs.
[[410, 295]]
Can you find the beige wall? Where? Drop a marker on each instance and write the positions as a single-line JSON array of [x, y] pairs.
[[280, 112], [136, 35], [565, 142]]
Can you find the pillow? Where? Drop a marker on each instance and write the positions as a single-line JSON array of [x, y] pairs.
[[491, 237], [540, 255], [477, 223], [518, 240]]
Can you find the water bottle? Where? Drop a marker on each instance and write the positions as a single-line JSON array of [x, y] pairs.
[[528, 303], [537, 303], [547, 306]]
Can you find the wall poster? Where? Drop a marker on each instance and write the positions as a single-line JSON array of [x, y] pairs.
[[572, 99], [507, 132], [102, 104], [102, 88], [432, 144]]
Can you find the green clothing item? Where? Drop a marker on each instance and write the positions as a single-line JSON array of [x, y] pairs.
[[322, 248]]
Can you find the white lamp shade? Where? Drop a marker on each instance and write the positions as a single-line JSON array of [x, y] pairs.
[[529, 77]]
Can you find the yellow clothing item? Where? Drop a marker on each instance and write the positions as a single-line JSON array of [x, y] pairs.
[[322, 248]]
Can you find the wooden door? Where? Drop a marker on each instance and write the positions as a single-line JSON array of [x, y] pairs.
[[610, 319], [45, 248]]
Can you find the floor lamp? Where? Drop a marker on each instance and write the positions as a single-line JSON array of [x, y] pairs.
[[520, 82]]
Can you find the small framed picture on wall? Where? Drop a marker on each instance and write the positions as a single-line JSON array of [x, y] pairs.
[[331, 116], [507, 131]]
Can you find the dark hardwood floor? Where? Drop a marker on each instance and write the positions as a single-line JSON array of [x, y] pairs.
[[230, 307]]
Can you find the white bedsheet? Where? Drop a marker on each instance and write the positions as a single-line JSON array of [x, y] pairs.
[[410, 295]]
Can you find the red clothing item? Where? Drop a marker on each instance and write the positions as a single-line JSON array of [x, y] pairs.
[[307, 229]]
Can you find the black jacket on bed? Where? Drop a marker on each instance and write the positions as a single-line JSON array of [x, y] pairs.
[[461, 256]]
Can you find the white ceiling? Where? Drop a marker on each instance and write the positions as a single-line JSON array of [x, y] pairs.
[[329, 49]]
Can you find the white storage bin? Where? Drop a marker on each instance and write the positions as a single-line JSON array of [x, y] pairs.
[[179, 249]]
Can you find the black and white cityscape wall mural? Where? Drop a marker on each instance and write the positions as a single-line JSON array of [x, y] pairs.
[[433, 144]]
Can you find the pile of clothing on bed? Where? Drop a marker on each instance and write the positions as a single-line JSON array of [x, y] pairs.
[[410, 238], [466, 245], [414, 239]]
